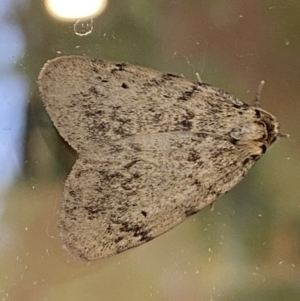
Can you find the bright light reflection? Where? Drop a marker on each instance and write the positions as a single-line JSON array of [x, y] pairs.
[[75, 9]]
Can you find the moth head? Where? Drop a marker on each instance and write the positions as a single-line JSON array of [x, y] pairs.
[[258, 134]]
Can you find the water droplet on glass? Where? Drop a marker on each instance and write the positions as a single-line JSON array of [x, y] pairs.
[[83, 27]]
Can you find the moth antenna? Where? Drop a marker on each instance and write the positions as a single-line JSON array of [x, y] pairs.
[[258, 93]]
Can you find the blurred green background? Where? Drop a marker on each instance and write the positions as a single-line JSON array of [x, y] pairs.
[[248, 248]]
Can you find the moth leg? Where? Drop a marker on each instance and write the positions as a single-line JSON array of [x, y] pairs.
[[199, 80], [258, 93]]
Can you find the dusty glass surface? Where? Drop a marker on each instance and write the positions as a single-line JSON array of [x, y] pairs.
[[248, 247]]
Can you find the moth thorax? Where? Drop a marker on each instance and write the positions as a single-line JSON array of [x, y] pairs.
[[249, 132]]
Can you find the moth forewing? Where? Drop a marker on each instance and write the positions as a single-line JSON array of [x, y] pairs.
[[153, 149]]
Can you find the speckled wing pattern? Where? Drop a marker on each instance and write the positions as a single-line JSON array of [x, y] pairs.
[[152, 148]]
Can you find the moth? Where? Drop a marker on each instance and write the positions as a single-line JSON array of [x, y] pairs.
[[153, 149]]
